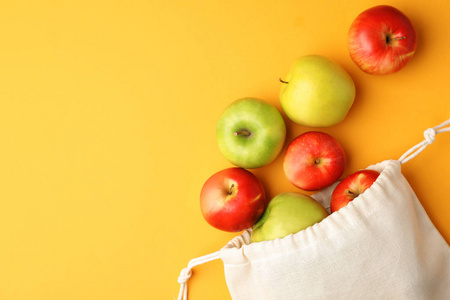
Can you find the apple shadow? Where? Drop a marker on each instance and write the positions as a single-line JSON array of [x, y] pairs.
[[420, 25]]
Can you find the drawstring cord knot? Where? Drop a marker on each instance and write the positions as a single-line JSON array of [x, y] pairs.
[[186, 273], [430, 135]]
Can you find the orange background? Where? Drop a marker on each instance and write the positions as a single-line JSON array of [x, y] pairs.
[[108, 114]]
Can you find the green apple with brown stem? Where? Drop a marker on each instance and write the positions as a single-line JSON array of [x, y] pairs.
[[251, 133], [317, 92]]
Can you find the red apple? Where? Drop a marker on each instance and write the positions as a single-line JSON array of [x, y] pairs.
[[381, 40], [232, 200], [314, 160], [351, 187]]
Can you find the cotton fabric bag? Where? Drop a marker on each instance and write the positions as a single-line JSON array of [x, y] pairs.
[[380, 246]]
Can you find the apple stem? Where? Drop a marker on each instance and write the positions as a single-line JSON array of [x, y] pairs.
[[389, 38], [286, 82], [230, 191], [243, 132]]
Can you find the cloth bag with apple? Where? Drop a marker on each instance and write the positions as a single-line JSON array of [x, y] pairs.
[[383, 246]]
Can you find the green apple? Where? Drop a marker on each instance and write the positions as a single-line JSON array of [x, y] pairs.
[[251, 133], [317, 92], [287, 213]]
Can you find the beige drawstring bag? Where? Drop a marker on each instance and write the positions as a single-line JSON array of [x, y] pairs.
[[380, 246]]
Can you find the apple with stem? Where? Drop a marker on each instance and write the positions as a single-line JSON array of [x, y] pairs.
[[314, 160], [232, 199], [351, 187], [287, 213], [251, 133], [317, 92], [381, 40]]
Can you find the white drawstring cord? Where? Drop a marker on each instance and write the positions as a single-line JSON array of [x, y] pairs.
[[429, 135], [186, 273]]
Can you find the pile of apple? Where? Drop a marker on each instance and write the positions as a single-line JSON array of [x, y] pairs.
[[317, 92]]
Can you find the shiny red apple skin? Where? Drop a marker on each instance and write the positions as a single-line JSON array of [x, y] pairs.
[[314, 160], [351, 187], [232, 199], [381, 40]]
